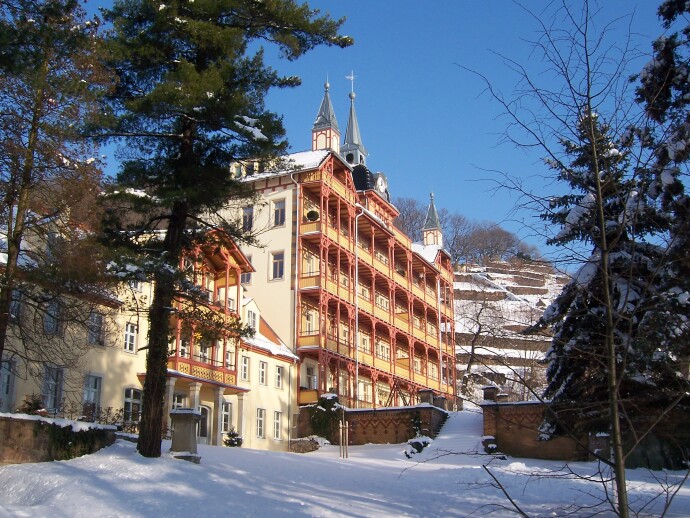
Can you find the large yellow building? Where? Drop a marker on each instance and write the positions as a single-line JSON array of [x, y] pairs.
[[368, 312], [241, 383]]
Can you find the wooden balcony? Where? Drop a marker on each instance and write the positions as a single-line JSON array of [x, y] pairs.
[[216, 373], [307, 396], [312, 281], [312, 339]]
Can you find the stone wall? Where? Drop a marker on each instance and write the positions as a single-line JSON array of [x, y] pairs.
[[25, 440], [382, 425], [514, 427]]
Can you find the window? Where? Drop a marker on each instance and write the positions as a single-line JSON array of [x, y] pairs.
[[179, 400], [244, 372], [95, 328], [52, 388], [92, 394], [237, 168], [277, 425], [247, 218], [51, 318], [132, 406], [184, 347], [229, 357], [246, 278], [251, 319], [226, 417], [312, 380], [309, 327], [261, 423], [130, 337], [263, 367], [364, 343], [310, 264], [6, 385], [279, 377], [15, 305], [417, 364], [278, 265], [279, 213], [135, 284], [383, 350]]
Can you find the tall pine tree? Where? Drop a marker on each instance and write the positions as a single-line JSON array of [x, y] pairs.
[[189, 102]]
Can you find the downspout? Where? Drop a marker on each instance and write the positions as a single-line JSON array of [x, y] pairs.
[[356, 387], [294, 303]]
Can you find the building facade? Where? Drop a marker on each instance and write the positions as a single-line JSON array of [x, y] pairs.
[[368, 313], [241, 383]]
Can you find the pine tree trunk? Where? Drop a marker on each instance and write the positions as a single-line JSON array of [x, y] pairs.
[[151, 426]]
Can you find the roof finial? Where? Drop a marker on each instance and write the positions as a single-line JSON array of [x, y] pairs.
[[352, 78]]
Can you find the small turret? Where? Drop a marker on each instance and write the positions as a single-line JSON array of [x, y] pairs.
[[325, 133], [431, 231]]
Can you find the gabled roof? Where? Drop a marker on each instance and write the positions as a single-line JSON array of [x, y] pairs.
[[287, 164]]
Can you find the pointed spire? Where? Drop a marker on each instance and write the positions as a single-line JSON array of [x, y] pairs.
[[432, 226], [325, 133], [432, 221], [352, 149], [326, 116]]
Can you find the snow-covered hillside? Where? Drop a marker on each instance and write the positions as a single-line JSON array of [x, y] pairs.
[[493, 303]]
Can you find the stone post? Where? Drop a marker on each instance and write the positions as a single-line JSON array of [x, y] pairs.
[[184, 421]]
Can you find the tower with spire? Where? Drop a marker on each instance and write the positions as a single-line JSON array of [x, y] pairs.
[[431, 230], [325, 133], [352, 149]]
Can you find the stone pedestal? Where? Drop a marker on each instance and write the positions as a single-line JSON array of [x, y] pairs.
[[184, 423]]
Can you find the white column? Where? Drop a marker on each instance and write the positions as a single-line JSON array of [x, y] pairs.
[[194, 401], [218, 409], [169, 392], [240, 417]]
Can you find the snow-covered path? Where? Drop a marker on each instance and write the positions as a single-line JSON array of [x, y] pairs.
[[446, 479]]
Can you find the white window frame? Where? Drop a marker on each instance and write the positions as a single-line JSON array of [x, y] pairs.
[[93, 385], [53, 379], [252, 319], [260, 423], [179, 400], [133, 396], [51, 318], [244, 368], [247, 218], [246, 278], [279, 218], [277, 425], [279, 376], [226, 416], [95, 330], [277, 265], [130, 341], [263, 369]]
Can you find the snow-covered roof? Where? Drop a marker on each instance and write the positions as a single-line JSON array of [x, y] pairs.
[[261, 342], [300, 161], [427, 252]]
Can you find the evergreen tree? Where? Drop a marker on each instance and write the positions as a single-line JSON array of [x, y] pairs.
[[189, 102], [664, 91], [603, 303], [49, 86]]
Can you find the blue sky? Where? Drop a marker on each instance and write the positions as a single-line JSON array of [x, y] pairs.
[[424, 119]]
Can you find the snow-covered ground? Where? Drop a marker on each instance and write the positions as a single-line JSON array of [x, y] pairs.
[[446, 479]]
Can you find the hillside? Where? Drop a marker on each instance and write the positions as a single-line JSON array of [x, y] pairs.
[[493, 304]]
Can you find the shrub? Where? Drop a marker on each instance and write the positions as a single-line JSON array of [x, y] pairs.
[[233, 439]]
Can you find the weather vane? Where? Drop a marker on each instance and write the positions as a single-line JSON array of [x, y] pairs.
[[352, 78]]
